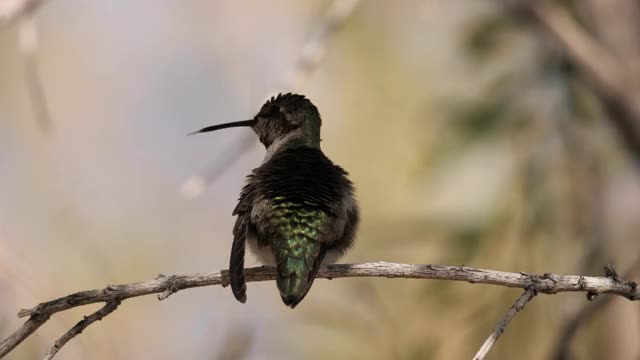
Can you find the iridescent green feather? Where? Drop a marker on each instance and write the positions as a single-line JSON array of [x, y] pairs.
[[296, 244]]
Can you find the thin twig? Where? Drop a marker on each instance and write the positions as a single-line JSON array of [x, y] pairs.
[[167, 285], [110, 307], [515, 308], [311, 56]]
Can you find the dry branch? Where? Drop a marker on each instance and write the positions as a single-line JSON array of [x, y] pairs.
[[513, 310], [562, 349], [28, 328], [167, 285], [110, 307]]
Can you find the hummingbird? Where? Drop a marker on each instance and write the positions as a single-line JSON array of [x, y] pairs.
[[298, 209]]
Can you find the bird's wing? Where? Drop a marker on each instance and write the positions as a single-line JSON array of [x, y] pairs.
[[236, 260], [236, 267]]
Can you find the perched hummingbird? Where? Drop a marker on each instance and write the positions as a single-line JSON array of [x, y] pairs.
[[297, 209]]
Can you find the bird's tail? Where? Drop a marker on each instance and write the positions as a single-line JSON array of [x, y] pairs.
[[297, 268]]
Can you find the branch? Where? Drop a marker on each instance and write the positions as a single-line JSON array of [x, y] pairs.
[[28, 328], [110, 307], [167, 285], [515, 308], [562, 349]]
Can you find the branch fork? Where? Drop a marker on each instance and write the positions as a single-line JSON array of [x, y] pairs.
[[165, 286]]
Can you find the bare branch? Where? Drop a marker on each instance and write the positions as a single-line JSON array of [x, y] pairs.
[[110, 307], [562, 349], [310, 58], [166, 285], [28, 328], [515, 308]]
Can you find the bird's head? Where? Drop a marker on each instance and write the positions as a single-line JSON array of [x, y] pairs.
[[283, 118]]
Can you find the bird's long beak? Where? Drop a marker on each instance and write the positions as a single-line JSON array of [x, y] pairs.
[[224, 126]]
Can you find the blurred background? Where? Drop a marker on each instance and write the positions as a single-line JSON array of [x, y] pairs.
[[495, 134]]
